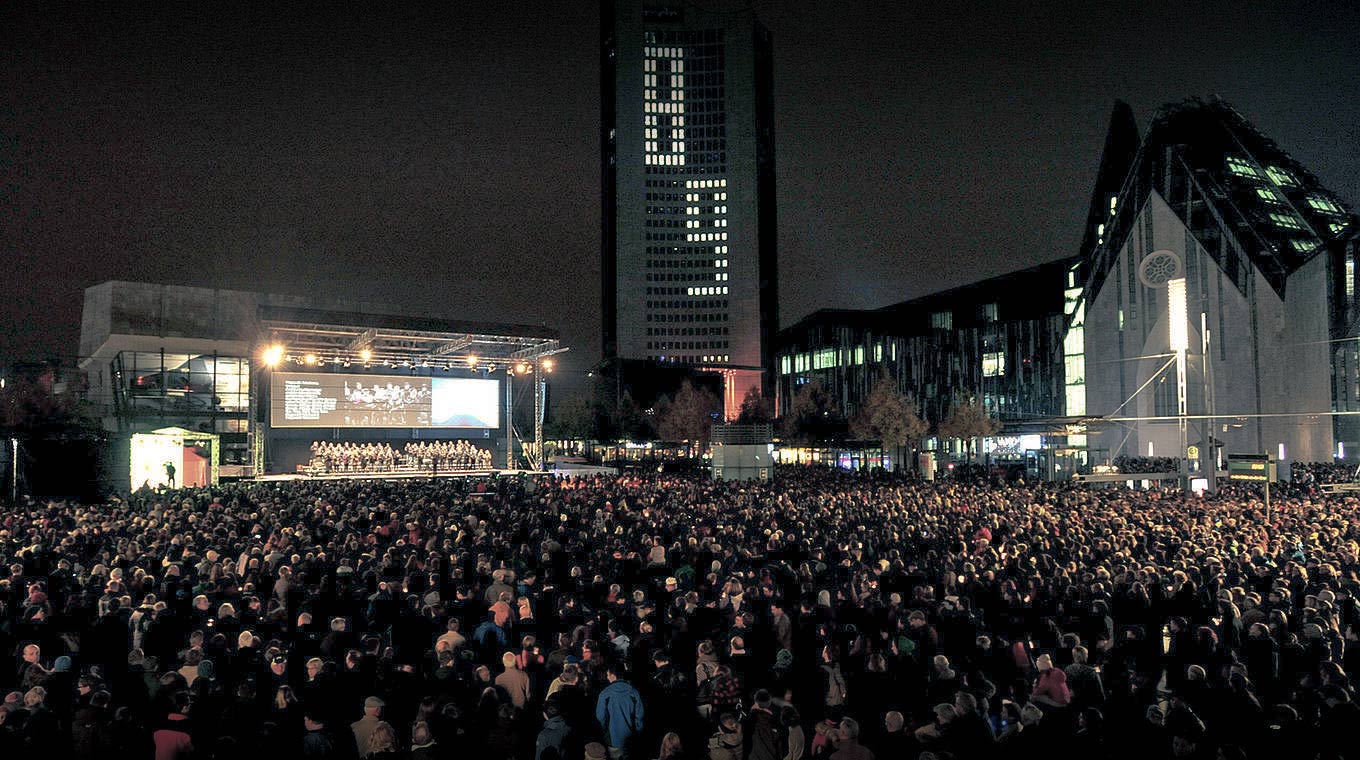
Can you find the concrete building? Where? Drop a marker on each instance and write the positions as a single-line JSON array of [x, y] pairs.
[[687, 145], [1219, 306]]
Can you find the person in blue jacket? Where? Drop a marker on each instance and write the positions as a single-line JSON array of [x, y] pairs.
[[619, 712]]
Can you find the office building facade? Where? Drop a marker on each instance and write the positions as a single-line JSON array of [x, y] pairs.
[[687, 144], [999, 341]]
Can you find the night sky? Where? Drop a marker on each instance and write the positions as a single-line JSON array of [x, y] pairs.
[[449, 158]]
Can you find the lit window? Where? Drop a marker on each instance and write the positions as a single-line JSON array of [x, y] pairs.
[[1324, 204], [994, 364], [1242, 167], [942, 320], [1303, 245], [1281, 177], [1288, 221], [989, 312], [1350, 277], [1269, 195]]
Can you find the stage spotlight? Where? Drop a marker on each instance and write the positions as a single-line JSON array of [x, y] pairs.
[[309, 359], [522, 368], [472, 360], [547, 365], [272, 355], [366, 355]]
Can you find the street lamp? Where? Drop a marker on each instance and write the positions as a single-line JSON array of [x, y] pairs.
[[270, 358]]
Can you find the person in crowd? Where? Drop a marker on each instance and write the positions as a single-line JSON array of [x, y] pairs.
[[727, 742], [1052, 615], [555, 738], [761, 730], [317, 742], [514, 681], [365, 727], [848, 746], [619, 711]]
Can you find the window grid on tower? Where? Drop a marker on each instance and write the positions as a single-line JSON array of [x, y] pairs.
[[684, 133]]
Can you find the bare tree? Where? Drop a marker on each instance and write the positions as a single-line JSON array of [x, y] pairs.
[[688, 416], [888, 417], [573, 419], [754, 408], [812, 415], [968, 421]]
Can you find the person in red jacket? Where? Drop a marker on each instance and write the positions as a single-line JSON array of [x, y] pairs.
[[172, 740], [1051, 688]]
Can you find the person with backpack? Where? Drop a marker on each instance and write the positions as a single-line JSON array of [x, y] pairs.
[[833, 681]]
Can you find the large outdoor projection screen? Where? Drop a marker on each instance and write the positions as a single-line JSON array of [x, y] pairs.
[[330, 400]]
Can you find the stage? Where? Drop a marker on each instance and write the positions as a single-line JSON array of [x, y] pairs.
[[413, 474], [398, 474]]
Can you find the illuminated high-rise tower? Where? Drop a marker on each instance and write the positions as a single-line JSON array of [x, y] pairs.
[[687, 164]]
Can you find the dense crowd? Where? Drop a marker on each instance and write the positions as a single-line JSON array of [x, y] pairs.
[[1324, 473], [423, 456], [1147, 464], [827, 614]]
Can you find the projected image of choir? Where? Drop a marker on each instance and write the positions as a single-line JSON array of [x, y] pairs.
[[386, 396], [423, 456]]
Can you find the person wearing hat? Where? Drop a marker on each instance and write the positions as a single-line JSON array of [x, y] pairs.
[[762, 729], [364, 727], [726, 743], [596, 751]]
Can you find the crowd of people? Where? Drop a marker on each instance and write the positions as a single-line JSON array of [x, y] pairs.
[[824, 614], [1147, 464], [1324, 473], [422, 456]]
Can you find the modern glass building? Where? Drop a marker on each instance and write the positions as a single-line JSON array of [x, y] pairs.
[[999, 341], [687, 147]]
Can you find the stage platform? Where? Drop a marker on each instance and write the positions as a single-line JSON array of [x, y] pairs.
[[390, 475]]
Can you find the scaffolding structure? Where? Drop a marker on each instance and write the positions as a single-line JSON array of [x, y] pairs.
[[309, 338]]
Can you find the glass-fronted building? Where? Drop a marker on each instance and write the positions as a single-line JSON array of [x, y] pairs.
[[999, 341]]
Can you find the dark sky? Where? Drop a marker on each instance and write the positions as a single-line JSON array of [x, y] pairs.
[[449, 158]]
